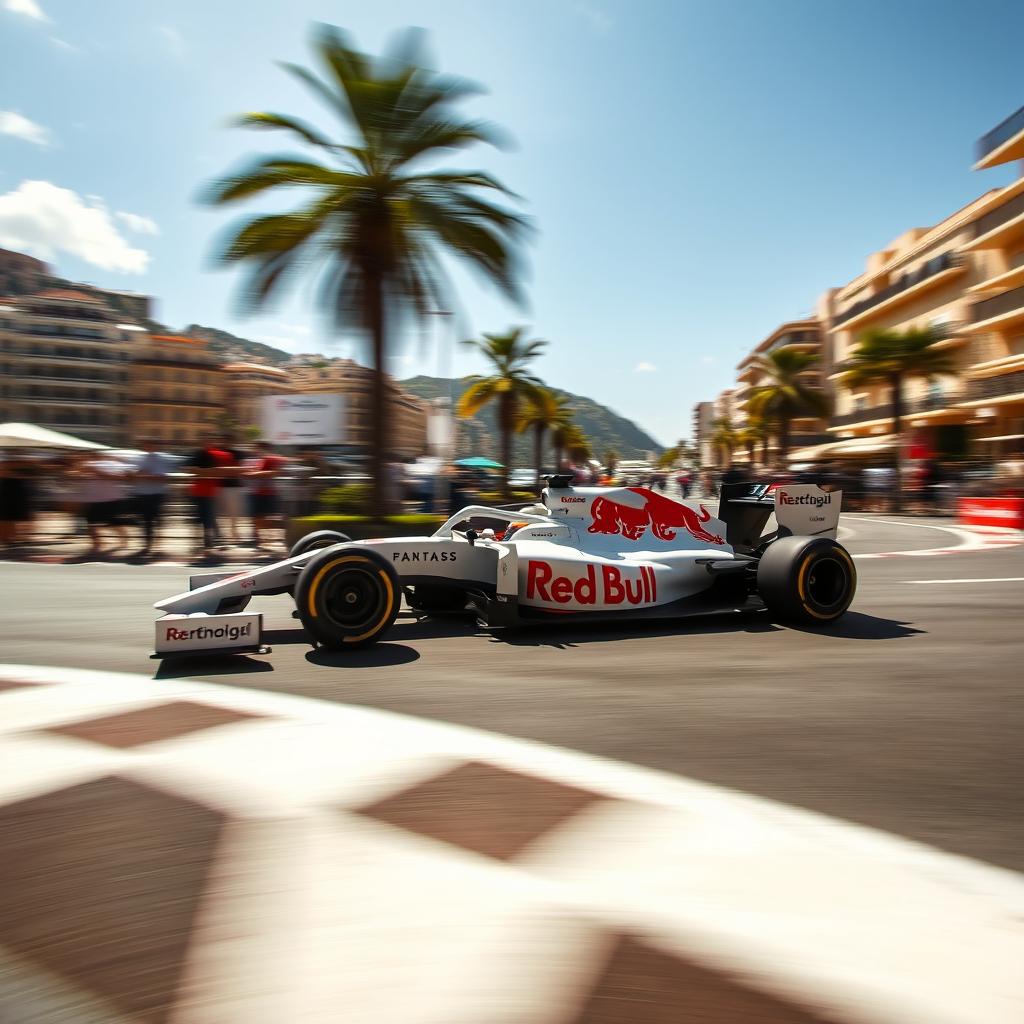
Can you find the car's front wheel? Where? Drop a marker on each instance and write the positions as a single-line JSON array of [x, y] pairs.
[[316, 540], [347, 597], [809, 580]]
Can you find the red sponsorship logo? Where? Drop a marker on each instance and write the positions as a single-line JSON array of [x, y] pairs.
[[663, 515], [615, 586]]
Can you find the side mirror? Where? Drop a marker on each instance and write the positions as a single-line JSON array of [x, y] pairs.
[[471, 536]]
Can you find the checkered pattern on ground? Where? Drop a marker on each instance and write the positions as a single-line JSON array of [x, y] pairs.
[[182, 852]]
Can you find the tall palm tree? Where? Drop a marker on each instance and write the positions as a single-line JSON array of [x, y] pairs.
[[372, 219], [575, 442], [891, 357], [783, 396], [543, 412], [510, 385], [748, 436], [723, 437]]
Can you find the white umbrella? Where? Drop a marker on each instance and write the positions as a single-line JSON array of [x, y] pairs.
[[28, 435]]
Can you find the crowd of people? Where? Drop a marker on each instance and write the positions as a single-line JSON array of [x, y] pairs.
[[119, 502]]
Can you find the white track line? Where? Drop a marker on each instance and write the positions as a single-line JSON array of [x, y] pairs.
[[988, 579], [874, 927], [969, 541]]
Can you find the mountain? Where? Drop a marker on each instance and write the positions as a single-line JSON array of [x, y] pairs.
[[479, 436], [232, 347]]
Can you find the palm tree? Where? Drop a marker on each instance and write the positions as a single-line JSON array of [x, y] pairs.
[[783, 396], [723, 437], [373, 220], [611, 460], [510, 385], [890, 357], [543, 412], [575, 443]]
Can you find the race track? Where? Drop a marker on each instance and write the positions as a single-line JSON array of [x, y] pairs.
[[906, 716]]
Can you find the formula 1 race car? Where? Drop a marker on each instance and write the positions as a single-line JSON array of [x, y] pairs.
[[584, 553]]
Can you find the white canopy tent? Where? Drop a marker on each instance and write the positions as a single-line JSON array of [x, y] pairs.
[[852, 446], [28, 435]]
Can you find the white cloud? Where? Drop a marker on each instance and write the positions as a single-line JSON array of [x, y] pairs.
[[27, 7], [644, 368], [43, 219], [137, 223], [174, 39], [22, 128], [63, 44]]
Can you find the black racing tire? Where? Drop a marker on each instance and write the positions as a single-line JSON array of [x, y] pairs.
[[318, 539], [347, 597], [806, 580]]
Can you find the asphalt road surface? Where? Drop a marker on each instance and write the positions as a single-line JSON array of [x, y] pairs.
[[906, 716]]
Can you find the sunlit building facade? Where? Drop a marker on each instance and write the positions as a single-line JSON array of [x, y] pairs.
[[64, 364], [176, 391], [804, 335], [245, 387], [407, 414]]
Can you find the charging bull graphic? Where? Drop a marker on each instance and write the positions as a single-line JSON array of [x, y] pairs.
[[663, 515]]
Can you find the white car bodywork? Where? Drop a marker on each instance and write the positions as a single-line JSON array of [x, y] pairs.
[[585, 550]]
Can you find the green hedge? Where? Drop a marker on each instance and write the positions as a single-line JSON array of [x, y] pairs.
[[497, 498], [360, 527]]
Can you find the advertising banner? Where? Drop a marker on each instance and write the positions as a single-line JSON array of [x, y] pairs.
[[308, 419], [177, 634]]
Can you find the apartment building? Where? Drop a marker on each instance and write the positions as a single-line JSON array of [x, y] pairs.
[[805, 335], [703, 414], [245, 387], [176, 391], [407, 413], [64, 364], [964, 277], [994, 393]]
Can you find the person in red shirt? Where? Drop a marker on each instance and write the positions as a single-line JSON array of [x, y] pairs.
[[264, 495], [207, 465]]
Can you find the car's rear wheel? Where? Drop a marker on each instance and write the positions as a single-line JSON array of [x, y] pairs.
[[347, 597], [809, 580], [316, 540]]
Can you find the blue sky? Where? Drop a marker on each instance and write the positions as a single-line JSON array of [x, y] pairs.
[[698, 172]]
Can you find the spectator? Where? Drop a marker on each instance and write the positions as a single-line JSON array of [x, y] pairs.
[[15, 501], [230, 497], [150, 491], [265, 496], [207, 464], [103, 486]]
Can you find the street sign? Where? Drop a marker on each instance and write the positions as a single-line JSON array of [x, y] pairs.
[[313, 418]]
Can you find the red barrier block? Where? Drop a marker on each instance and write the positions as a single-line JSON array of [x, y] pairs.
[[1005, 512]]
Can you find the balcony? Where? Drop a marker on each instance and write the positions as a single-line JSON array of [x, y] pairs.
[[1005, 308], [911, 407], [999, 227], [1004, 143], [804, 339], [988, 388], [93, 357], [928, 272], [51, 379], [56, 398], [183, 403]]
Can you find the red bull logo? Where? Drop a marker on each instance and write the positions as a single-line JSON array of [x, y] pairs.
[[632, 586], [663, 515]]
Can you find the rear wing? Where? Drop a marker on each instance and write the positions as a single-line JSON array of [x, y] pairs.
[[800, 509], [807, 511]]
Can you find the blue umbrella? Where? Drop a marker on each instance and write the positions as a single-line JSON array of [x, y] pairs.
[[479, 462]]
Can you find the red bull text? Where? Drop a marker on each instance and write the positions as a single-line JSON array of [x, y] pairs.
[[615, 586]]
